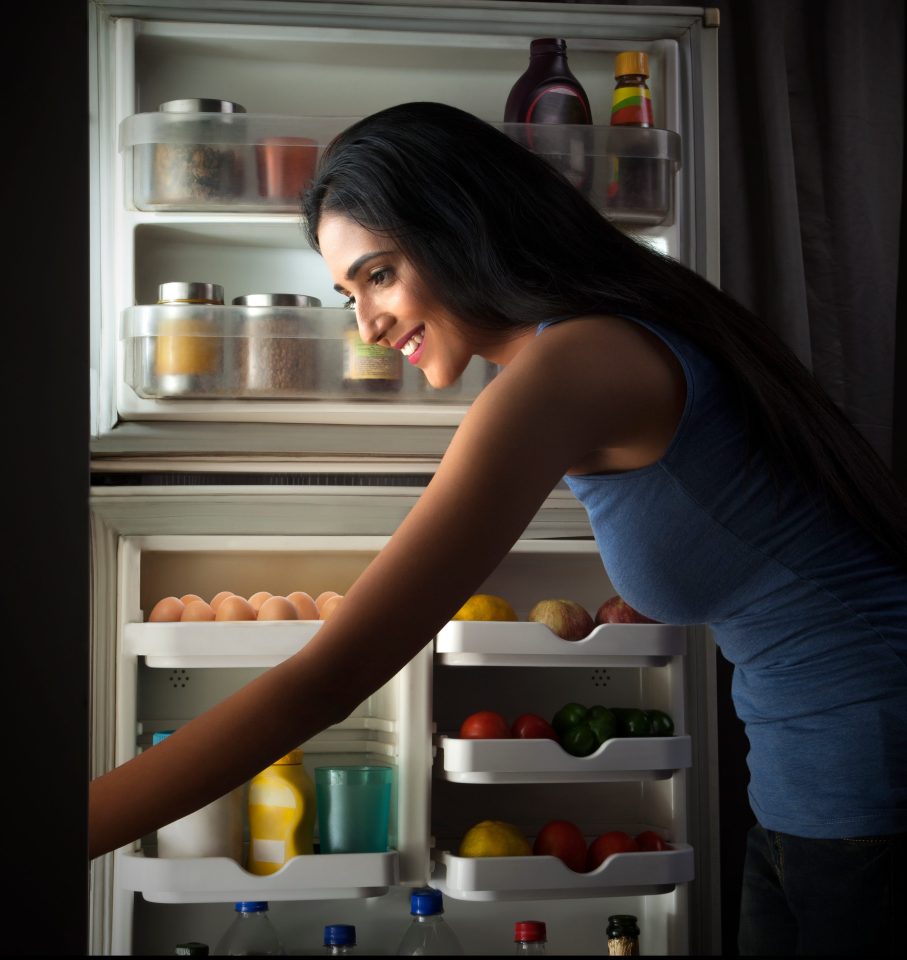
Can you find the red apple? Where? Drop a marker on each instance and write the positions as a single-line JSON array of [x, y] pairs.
[[614, 841], [616, 610], [567, 618]]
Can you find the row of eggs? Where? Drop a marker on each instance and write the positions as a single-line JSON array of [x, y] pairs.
[[263, 605]]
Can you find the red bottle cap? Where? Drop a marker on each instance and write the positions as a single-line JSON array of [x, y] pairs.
[[531, 930]]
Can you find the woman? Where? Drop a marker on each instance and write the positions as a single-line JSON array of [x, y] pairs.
[[722, 485]]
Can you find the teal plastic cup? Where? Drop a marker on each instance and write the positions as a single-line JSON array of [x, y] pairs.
[[353, 806]]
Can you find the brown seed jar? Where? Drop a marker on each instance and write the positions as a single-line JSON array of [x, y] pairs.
[[277, 360]]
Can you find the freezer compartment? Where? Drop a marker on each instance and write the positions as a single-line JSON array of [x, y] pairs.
[[187, 352], [536, 761], [334, 876], [235, 162], [544, 877]]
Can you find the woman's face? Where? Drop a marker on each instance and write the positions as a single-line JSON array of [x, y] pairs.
[[393, 306]]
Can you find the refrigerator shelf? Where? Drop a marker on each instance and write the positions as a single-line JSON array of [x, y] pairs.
[[548, 878], [247, 643], [477, 643], [332, 876], [258, 163], [545, 761]]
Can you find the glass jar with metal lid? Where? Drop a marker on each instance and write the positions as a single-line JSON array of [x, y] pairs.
[[190, 346], [279, 359], [201, 165]]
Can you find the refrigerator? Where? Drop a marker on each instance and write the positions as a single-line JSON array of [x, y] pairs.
[[275, 469]]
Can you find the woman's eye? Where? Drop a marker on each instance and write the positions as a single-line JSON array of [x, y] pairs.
[[380, 276]]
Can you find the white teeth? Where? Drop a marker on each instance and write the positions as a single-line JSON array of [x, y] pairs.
[[414, 341]]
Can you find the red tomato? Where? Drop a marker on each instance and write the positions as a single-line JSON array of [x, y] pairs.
[[530, 726], [614, 841], [485, 725], [650, 840], [562, 839]]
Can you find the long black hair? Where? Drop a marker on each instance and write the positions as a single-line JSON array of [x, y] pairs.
[[504, 241]]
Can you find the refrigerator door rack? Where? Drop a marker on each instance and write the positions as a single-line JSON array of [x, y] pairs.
[[259, 163], [331, 876], [475, 643], [549, 878], [263, 353], [545, 761]]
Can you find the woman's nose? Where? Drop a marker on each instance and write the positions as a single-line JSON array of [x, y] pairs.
[[372, 325]]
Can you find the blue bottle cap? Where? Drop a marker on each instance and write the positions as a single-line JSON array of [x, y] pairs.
[[425, 901], [159, 735], [251, 906], [340, 935]]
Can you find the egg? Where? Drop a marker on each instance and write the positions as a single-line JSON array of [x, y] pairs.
[[189, 597], [235, 608], [168, 610], [324, 596], [305, 605], [257, 599], [277, 608], [330, 605], [218, 598], [197, 610]]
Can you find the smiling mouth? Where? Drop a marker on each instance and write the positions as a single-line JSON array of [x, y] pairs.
[[411, 342]]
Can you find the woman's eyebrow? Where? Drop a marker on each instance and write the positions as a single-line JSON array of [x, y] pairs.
[[357, 263]]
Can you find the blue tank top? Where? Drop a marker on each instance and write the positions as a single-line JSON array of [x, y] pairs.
[[802, 603]]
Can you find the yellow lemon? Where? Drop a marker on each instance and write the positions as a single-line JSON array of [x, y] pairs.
[[494, 838], [486, 606]]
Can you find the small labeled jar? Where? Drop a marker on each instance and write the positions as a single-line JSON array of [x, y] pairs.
[[277, 359], [623, 935], [207, 170], [189, 359], [369, 368]]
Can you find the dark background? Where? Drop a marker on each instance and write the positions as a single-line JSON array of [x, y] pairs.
[[812, 176]]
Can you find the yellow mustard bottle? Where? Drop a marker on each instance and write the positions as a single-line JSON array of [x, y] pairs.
[[281, 809]]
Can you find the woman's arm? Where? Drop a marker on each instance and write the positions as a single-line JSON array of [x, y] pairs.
[[519, 437]]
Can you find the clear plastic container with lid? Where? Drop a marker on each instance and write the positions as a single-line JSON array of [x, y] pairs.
[[200, 168]]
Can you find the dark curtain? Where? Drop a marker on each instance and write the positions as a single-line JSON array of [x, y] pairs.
[[811, 117]]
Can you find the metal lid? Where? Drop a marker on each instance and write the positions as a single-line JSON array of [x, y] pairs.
[[201, 105], [251, 906], [190, 291], [276, 300]]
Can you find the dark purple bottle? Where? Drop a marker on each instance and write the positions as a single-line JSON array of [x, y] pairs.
[[549, 95], [547, 92]]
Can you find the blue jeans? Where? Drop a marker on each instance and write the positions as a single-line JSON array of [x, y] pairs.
[[823, 897]]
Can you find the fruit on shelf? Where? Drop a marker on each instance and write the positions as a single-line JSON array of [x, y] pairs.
[[486, 606], [485, 725], [660, 723], [649, 840], [567, 618], [581, 730], [616, 610], [564, 840], [607, 844], [631, 722], [530, 726], [494, 838]]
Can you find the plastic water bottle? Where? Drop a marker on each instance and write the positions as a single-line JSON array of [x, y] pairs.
[[339, 939], [251, 933], [531, 938], [428, 933]]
